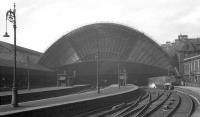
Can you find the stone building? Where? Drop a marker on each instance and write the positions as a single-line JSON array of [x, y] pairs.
[[192, 70], [185, 52]]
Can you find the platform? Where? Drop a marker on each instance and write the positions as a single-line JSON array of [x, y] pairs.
[[193, 92], [31, 105], [42, 93], [23, 91]]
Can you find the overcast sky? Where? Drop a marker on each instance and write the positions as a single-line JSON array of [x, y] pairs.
[[41, 22]]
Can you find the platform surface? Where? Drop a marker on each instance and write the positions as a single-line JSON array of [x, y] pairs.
[[30, 105], [3, 93], [195, 93]]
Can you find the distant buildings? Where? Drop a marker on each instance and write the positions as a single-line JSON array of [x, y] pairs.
[[186, 54]]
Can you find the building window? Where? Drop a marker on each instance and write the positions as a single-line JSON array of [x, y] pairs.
[[191, 67], [199, 66], [186, 68], [196, 66]]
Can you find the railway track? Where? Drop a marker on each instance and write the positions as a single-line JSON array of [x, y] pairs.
[[155, 103]]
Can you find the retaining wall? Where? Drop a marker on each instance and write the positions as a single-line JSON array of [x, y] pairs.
[[6, 99], [72, 109]]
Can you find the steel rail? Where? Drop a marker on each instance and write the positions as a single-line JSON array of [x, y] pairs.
[[156, 107], [170, 113]]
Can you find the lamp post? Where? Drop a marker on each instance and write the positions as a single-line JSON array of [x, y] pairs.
[[28, 74], [11, 16], [97, 60], [118, 70]]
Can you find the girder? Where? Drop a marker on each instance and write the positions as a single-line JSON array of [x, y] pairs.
[[113, 41]]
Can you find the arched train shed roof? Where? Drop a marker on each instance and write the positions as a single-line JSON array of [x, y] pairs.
[[113, 42]]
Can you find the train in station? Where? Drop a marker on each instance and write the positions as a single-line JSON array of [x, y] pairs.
[[162, 82]]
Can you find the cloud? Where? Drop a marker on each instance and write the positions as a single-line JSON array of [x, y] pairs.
[[192, 18], [44, 21]]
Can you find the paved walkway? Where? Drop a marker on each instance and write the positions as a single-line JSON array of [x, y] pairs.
[[3, 93], [25, 106], [195, 93]]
